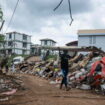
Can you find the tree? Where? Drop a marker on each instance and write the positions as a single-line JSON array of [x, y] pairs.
[[1, 24], [2, 43], [1, 19], [2, 38], [1, 15]]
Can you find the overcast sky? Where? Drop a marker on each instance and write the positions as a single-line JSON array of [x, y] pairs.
[[37, 18]]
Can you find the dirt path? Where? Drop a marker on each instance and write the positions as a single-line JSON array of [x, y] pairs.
[[40, 92], [33, 59]]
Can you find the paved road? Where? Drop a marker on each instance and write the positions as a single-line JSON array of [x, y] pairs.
[[40, 92]]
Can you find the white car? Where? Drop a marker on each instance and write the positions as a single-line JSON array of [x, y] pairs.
[[18, 60]]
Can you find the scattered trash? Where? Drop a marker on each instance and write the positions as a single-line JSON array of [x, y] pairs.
[[9, 92], [9, 85], [87, 72], [4, 99], [85, 87], [80, 67]]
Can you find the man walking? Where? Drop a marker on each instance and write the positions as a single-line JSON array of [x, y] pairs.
[[64, 67]]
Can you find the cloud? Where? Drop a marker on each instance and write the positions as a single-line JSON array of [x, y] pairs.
[[36, 12], [37, 18]]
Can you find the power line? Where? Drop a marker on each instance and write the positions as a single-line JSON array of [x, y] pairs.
[[58, 5], [12, 15], [69, 10]]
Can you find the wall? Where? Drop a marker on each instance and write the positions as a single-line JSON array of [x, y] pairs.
[[49, 43], [17, 51], [18, 43], [99, 41]]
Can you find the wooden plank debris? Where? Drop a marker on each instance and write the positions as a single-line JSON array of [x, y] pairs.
[[74, 49]]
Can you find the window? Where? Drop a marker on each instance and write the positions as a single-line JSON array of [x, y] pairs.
[[25, 45], [10, 36], [16, 60], [24, 37], [45, 42], [10, 51], [10, 43], [24, 51], [92, 39], [32, 50]]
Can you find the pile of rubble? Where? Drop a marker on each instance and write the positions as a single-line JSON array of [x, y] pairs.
[[9, 85], [88, 73], [83, 73], [41, 68]]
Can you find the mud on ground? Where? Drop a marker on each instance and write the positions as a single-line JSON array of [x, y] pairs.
[[40, 92]]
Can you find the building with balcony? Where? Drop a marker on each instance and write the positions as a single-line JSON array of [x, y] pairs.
[[47, 42], [35, 49], [17, 43]]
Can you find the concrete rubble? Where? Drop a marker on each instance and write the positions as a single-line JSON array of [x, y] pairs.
[[79, 76], [86, 72], [9, 85]]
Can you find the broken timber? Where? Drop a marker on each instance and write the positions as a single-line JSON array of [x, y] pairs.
[[74, 48]]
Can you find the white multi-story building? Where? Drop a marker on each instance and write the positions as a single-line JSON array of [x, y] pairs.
[[17, 43], [35, 49], [92, 38], [47, 42]]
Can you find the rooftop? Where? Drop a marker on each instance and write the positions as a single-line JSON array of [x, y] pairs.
[[72, 43], [17, 33], [92, 32]]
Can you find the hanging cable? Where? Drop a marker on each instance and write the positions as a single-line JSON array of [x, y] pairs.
[[12, 15], [58, 5], [69, 10]]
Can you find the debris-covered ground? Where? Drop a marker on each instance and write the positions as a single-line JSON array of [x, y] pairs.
[[9, 85], [85, 71], [42, 78], [40, 92]]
